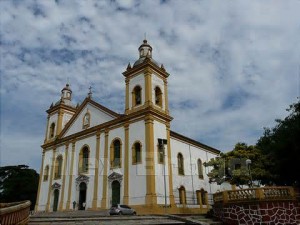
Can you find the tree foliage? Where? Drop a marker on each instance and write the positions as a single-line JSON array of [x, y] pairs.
[[233, 168], [18, 183], [281, 145], [275, 158]]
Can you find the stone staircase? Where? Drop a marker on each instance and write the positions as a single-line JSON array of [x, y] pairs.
[[97, 218], [102, 217]]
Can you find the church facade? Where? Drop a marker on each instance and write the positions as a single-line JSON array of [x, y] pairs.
[[94, 157]]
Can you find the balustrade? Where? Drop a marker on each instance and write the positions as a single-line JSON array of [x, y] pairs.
[[255, 194], [14, 213]]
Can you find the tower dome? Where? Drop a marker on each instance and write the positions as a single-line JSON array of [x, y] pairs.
[[145, 51]]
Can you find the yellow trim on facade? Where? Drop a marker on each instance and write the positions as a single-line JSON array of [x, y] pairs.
[[104, 189], [151, 198], [127, 95], [148, 86], [51, 180], [112, 153], [166, 97], [71, 176], [133, 153], [61, 204], [95, 197], [47, 129], [126, 166], [171, 194], [40, 182], [59, 122]]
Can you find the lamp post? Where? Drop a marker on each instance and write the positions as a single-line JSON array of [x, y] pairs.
[[161, 145], [248, 163]]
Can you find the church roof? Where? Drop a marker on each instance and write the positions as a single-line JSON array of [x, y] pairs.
[[191, 141]]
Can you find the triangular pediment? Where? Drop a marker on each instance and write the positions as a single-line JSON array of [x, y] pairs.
[[55, 186], [115, 176], [98, 114]]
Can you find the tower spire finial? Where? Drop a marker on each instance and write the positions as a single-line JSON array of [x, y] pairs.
[[90, 92]]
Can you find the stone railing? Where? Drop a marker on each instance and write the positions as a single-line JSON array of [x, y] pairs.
[[14, 213], [255, 194]]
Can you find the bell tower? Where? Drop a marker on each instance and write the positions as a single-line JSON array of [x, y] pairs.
[[59, 114], [146, 83]]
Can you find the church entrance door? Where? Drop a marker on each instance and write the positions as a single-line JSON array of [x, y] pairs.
[[115, 186], [82, 196], [55, 199]]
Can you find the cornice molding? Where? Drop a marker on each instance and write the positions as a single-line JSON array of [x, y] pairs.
[[144, 65]]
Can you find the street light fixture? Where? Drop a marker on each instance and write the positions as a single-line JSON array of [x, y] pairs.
[[248, 163]]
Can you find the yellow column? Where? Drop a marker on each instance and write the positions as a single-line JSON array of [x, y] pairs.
[[71, 177], [104, 189], [64, 178], [127, 96], [126, 166], [166, 96], [151, 198], [171, 194], [59, 121], [47, 128], [40, 182], [95, 197], [51, 180], [148, 87]]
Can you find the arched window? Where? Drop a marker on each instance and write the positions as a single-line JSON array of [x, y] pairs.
[[58, 167], [180, 164], [84, 160], [46, 173], [182, 195], [52, 130], [136, 153], [137, 96], [203, 197], [86, 120], [200, 169], [158, 97], [116, 154]]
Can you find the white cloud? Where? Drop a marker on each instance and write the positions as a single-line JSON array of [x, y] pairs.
[[234, 65]]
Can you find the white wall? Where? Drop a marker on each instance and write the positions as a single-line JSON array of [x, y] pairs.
[[97, 117], [137, 173]]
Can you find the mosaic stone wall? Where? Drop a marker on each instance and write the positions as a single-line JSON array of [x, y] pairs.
[[262, 213]]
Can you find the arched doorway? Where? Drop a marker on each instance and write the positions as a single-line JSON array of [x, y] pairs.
[[82, 196], [115, 198], [55, 199]]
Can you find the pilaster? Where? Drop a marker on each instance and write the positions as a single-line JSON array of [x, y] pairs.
[[127, 94], [171, 194], [40, 182], [51, 180], [59, 121], [61, 204], [104, 189], [126, 166], [166, 96], [71, 176], [148, 86], [95, 197], [151, 198]]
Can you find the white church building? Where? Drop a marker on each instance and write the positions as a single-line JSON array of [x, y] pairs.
[[94, 157]]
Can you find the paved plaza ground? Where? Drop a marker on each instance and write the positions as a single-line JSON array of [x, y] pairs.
[[102, 217]]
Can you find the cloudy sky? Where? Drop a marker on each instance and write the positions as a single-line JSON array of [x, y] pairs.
[[234, 65]]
